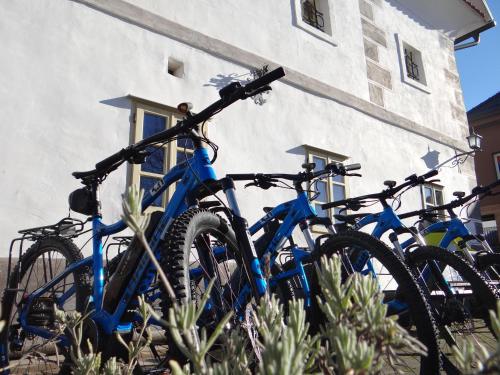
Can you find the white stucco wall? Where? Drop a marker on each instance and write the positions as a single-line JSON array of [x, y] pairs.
[[266, 28], [66, 69]]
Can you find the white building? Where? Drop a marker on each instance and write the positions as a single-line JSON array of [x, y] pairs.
[[81, 78]]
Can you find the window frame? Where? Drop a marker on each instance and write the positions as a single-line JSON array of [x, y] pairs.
[[433, 188], [327, 35], [496, 163], [422, 85], [329, 157], [135, 171]]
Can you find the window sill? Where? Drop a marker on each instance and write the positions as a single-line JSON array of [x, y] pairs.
[[315, 32], [415, 84]]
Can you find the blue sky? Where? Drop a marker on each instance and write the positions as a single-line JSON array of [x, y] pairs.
[[479, 66]]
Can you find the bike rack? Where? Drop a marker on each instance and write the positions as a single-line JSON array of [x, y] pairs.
[[67, 227], [120, 242]]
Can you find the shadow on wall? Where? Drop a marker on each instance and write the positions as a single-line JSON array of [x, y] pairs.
[[414, 17], [299, 150], [431, 158], [222, 80], [124, 102], [120, 102]]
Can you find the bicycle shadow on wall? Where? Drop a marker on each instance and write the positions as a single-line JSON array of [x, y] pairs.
[[222, 80]]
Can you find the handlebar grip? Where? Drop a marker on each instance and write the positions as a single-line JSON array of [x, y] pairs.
[[413, 177], [334, 204], [430, 174], [480, 190], [493, 184], [110, 160], [409, 214], [265, 79], [352, 167], [242, 176]]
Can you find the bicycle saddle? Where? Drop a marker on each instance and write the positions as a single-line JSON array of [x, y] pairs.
[[84, 175]]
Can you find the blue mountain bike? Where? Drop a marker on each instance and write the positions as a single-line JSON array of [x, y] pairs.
[[53, 273], [459, 296], [452, 233], [291, 269]]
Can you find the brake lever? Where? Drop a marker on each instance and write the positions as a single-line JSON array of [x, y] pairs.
[[262, 183], [353, 174]]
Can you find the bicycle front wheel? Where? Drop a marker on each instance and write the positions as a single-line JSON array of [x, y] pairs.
[[199, 247], [371, 256], [489, 266], [460, 297]]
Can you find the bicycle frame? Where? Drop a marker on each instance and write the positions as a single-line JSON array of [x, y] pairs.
[[191, 173], [298, 211], [450, 231], [387, 220]]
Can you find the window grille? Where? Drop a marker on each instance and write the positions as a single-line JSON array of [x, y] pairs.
[[411, 65], [312, 16]]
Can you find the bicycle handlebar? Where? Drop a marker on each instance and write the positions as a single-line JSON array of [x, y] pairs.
[[229, 94], [336, 168], [455, 203], [412, 180]]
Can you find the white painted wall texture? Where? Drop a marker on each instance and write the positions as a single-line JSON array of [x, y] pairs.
[[67, 69]]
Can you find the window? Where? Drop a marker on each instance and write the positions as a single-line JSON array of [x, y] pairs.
[[496, 162], [314, 16], [330, 189], [432, 196], [150, 120], [412, 65]]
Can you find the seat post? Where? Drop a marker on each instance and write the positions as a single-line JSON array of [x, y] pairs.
[[94, 188]]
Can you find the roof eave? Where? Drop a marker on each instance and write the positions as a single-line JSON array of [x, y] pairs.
[[475, 33]]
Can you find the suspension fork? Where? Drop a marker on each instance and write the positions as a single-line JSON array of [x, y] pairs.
[[251, 262], [206, 263]]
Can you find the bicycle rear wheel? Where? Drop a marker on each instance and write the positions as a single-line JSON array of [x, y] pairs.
[[30, 341], [459, 296], [399, 287]]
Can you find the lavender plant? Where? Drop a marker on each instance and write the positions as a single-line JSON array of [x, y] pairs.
[[358, 337], [88, 362], [471, 361]]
